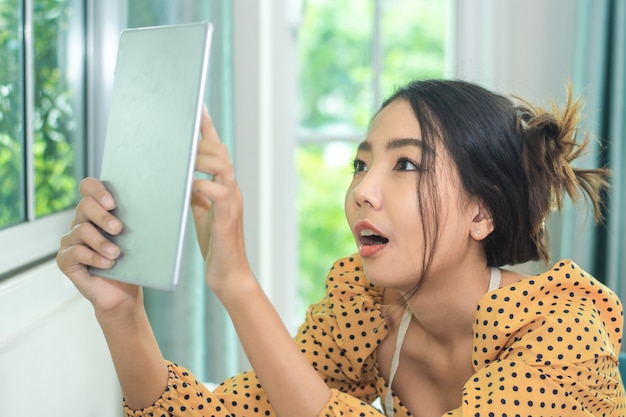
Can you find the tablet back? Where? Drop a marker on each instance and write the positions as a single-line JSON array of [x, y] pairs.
[[150, 147]]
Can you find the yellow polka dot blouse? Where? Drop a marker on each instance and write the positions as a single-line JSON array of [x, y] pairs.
[[544, 346]]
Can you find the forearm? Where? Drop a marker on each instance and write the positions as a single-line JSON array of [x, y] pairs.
[[290, 382], [138, 362]]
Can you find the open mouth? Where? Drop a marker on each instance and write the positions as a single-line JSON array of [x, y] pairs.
[[369, 238]]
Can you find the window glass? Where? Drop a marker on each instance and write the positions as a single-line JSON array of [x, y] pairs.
[[59, 103], [57, 82], [324, 174], [351, 56], [335, 66], [12, 184], [412, 41]]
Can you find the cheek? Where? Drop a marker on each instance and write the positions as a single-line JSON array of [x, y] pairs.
[[348, 204], [409, 226]]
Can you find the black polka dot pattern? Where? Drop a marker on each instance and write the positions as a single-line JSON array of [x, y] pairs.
[[547, 346], [544, 346], [342, 331]]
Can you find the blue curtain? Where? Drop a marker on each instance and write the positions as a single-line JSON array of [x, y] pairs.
[[190, 324], [600, 78]]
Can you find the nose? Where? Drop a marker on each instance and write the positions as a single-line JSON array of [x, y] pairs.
[[367, 191]]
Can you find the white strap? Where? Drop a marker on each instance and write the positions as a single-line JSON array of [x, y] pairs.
[[494, 284], [494, 279], [404, 325]]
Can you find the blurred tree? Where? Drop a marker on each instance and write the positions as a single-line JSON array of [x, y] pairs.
[[336, 100], [55, 120], [58, 138], [323, 232], [11, 103]]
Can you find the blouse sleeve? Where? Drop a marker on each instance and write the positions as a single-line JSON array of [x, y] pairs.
[[342, 331], [186, 396], [241, 395], [548, 346]]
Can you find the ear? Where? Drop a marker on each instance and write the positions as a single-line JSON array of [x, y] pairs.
[[482, 221]]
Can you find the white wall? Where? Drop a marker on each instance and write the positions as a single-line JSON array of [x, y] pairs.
[[53, 357], [518, 47], [264, 66], [523, 47]]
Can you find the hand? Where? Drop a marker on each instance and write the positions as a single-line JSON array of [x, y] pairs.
[[84, 245], [217, 210]]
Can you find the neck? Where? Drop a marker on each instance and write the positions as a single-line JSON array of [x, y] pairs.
[[445, 304]]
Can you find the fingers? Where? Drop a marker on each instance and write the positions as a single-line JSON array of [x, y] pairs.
[[76, 258], [91, 187], [206, 192], [89, 210], [86, 234], [198, 199], [207, 128], [85, 245], [213, 159], [95, 207]]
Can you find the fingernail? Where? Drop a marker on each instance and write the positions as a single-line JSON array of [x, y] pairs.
[[107, 202], [107, 263], [111, 250], [114, 226]]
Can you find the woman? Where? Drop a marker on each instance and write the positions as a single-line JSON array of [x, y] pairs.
[[451, 183]]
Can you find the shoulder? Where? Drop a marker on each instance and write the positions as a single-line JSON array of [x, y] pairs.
[[349, 295], [558, 332], [346, 278], [563, 284], [342, 330], [564, 312]]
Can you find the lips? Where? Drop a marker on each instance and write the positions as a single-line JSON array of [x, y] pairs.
[[370, 240]]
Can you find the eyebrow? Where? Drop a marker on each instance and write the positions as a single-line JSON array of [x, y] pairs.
[[395, 144]]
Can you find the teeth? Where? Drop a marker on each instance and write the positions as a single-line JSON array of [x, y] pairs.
[[367, 232]]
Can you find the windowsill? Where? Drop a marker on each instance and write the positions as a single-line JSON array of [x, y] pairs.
[[30, 297], [28, 243]]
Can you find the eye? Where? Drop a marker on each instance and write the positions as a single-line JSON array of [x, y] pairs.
[[405, 164], [358, 166]]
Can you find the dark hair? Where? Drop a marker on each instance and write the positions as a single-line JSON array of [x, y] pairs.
[[515, 157]]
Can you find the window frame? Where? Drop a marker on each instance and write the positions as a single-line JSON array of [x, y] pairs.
[[36, 239], [30, 242]]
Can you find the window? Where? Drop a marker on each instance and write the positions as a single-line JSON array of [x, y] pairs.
[[42, 125], [351, 56]]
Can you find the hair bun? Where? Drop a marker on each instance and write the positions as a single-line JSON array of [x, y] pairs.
[[550, 146]]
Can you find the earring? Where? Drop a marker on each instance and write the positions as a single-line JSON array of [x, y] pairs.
[[478, 231]]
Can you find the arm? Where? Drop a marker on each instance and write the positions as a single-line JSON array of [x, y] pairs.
[[138, 362], [343, 367], [118, 306], [290, 382]]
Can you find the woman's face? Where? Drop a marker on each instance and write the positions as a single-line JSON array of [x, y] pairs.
[[382, 202]]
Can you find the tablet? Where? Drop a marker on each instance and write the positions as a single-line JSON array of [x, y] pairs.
[[150, 147]]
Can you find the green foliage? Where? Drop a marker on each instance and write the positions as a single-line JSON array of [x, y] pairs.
[[55, 124], [334, 61], [57, 137], [324, 233], [11, 103], [336, 95], [335, 56], [413, 42]]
